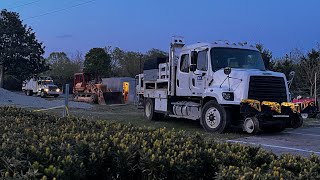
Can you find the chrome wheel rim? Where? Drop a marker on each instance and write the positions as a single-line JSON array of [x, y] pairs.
[[249, 125], [213, 118]]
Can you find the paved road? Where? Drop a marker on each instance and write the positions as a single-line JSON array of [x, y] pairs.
[[302, 141]]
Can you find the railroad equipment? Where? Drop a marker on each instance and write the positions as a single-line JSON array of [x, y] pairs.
[[222, 85]]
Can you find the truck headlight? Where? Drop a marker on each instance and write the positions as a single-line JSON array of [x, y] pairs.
[[228, 96], [46, 90], [58, 90]]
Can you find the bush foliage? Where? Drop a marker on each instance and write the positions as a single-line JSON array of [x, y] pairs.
[[40, 146]]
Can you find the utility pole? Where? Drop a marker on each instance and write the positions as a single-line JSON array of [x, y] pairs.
[[140, 63], [315, 88], [66, 102], [1, 74]]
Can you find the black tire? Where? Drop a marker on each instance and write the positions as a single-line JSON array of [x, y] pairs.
[[29, 93], [214, 117], [318, 116], [43, 94], [94, 98], [149, 113], [253, 127]]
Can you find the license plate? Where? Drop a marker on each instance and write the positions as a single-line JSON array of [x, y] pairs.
[[280, 115]]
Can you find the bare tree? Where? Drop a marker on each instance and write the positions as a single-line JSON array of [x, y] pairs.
[[309, 65], [78, 58]]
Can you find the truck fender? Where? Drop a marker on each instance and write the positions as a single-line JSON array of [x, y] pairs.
[[210, 96]]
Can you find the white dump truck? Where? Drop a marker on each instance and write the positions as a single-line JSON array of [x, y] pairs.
[[42, 86], [222, 85]]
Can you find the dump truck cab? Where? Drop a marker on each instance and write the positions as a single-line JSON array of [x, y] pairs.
[[221, 84]]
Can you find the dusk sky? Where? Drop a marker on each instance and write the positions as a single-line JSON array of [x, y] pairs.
[[139, 25]]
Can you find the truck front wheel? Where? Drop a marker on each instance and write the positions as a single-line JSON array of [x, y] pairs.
[[43, 94], [214, 117]]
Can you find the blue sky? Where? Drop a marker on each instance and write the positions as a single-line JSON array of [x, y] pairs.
[[140, 25]]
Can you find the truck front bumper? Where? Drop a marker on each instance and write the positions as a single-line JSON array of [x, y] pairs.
[[51, 93], [269, 114]]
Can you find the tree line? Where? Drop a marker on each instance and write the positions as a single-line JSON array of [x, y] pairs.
[[22, 56], [304, 66], [104, 62]]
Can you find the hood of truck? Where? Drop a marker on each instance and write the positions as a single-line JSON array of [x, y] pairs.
[[53, 86], [49, 86], [238, 81]]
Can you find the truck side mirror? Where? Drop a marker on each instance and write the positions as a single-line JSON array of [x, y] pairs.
[[193, 67], [292, 74]]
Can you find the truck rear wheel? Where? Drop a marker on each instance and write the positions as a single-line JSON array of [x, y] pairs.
[[29, 92], [214, 117], [149, 113]]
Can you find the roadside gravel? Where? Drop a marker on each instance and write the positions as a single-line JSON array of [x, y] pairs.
[[19, 100]]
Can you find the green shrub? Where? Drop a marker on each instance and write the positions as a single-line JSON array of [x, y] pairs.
[[35, 146]]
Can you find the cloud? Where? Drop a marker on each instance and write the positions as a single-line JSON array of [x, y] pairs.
[[64, 36]]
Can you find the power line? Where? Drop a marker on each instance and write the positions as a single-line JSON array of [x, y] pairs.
[[26, 4], [59, 10]]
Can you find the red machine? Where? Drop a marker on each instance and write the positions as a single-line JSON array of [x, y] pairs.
[[89, 88], [308, 107]]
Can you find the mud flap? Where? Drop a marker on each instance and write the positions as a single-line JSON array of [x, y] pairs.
[[113, 97]]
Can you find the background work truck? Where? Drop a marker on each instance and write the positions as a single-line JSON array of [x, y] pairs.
[[42, 86], [221, 84]]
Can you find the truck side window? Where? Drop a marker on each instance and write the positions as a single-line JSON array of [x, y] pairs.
[[184, 63], [202, 64]]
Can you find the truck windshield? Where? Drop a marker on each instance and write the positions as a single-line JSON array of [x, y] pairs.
[[236, 58], [47, 82]]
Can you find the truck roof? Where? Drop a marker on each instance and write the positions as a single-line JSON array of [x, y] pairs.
[[240, 45]]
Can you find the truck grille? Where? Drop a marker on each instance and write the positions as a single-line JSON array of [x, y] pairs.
[[267, 88]]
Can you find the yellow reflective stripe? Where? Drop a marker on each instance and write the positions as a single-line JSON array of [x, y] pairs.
[[253, 103], [274, 106]]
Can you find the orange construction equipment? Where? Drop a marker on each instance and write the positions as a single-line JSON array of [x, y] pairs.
[[89, 88]]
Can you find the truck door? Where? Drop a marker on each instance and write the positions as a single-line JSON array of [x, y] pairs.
[[183, 76], [198, 74]]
